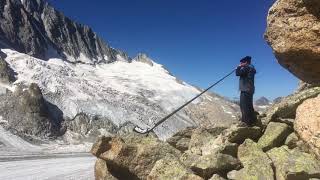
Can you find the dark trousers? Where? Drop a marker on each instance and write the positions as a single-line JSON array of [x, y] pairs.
[[246, 106]]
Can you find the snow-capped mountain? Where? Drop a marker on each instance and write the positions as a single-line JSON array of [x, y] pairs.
[[261, 104], [88, 87], [262, 101], [120, 92]]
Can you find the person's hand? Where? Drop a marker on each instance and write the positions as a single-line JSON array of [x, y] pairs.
[[242, 64]]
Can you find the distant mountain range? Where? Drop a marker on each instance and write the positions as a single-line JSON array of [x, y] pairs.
[[262, 101]]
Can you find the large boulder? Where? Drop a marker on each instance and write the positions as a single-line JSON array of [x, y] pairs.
[[307, 125], [293, 164], [101, 171], [220, 144], [199, 138], [214, 163], [257, 165], [181, 139], [287, 107], [132, 156], [274, 136], [171, 168], [239, 134], [293, 32], [292, 141]]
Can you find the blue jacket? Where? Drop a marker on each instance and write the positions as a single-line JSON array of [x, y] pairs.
[[246, 82]]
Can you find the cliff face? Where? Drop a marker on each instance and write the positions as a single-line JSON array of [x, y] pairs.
[[293, 32], [36, 28]]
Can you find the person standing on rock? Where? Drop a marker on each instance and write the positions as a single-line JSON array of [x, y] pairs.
[[246, 72]]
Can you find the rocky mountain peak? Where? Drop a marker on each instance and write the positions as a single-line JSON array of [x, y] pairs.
[[36, 28], [262, 101], [142, 57]]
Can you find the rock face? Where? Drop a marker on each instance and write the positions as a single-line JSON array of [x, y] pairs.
[[294, 34], [143, 58], [307, 123], [36, 28], [101, 171], [90, 127], [27, 113], [7, 75]]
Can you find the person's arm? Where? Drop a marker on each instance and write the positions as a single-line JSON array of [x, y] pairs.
[[242, 71]]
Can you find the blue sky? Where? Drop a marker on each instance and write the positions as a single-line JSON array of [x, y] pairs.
[[198, 41]]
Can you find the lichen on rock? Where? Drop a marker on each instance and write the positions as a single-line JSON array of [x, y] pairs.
[[293, 32], [294, 164], [274, 136], [257, 165], [307, 123], [171, 168]]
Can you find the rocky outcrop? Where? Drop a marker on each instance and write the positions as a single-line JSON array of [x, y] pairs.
[[131, 157], [7, 75], [286, 108], [89, 127], [27, 113], [293, 32], [210, 155], [36, 28], [293, 164], [307, 123], [143, 58]]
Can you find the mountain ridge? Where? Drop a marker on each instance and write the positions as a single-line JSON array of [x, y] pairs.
[[34, 27]]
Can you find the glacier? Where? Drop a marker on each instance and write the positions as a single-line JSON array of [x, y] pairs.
[[120, 92]]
